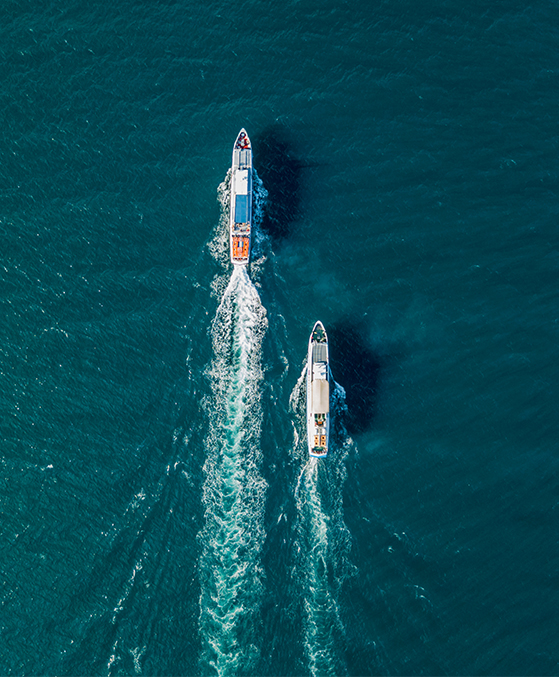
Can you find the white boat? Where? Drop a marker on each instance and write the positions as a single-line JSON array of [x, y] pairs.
[[240, 221], [318, 393]]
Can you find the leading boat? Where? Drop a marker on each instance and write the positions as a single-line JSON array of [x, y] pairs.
[[318, 393], [240, 220]]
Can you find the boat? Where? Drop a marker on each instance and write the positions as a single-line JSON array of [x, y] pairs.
[[240, 221], [318, 393]]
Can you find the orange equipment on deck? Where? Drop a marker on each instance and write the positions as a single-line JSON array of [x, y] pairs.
[[240, 247]]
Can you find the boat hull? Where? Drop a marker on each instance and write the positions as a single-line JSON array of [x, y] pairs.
[[240, 215], [318, 393]]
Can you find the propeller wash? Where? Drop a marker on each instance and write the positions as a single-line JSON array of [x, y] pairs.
[[234, 490]]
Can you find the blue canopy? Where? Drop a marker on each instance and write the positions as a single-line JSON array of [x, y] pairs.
[[241, 209]]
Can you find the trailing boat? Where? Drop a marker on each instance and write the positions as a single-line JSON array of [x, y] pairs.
[[318, 393], [240, 222]]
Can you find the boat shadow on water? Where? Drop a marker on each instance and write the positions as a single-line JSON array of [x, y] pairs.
[[358, 368], [280, 171]]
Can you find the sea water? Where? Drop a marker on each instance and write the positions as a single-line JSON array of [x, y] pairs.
[[159, 511]]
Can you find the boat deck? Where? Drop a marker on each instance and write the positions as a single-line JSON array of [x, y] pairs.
[[320, 352], [318, 393], [242, 159], [241, 200], [240, 248]]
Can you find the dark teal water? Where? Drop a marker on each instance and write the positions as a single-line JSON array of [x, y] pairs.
[[158, 513]]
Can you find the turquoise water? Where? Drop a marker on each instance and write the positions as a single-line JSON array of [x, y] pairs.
[[159, 513]]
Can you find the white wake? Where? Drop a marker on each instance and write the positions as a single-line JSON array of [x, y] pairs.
[[234, 490]]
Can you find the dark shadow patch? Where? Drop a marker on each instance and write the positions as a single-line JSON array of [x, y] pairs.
[[356, 367], [280, 170]]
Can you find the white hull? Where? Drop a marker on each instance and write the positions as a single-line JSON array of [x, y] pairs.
[[318, 393], [240, 215]]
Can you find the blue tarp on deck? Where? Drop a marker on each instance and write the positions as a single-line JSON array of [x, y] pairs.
[[241, 209]]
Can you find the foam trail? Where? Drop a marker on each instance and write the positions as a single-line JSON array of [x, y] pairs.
[[323, 541], [234, 489]]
